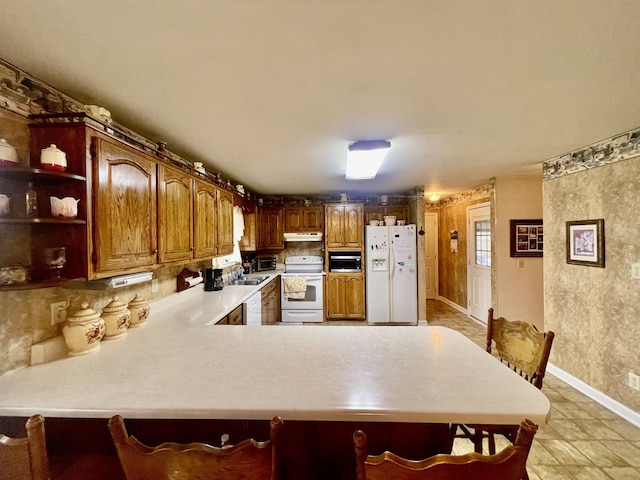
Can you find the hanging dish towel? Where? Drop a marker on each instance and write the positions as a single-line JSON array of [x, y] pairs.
[[295, 287]]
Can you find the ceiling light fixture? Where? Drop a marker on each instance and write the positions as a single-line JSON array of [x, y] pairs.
[[365, 157], [434, 197]]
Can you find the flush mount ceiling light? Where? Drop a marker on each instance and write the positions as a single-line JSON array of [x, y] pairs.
[[434, 197], [365, 157]]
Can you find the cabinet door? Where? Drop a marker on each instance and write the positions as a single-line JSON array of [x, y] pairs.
[[353, 226], [373, 213], [353, 285], [236, 317], [124, 210], [312, 219], [175, 215], [345, 296], [271, 228], [293, 220], [335, 296], [248, 242], [271, 302], [334, 221], [205, 219], [225, 222], [398, 211]]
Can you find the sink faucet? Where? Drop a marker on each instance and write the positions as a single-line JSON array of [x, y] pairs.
[[237, 271]]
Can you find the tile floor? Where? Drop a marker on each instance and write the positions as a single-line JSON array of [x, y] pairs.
[[582, 441]]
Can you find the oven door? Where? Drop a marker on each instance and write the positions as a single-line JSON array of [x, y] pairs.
[[309, 299]]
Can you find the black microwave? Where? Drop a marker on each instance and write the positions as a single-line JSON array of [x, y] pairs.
[[345, 262], [265, 262]]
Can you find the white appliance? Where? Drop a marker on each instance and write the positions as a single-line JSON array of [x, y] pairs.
[[306, 303], [253, 309], [391, 275]]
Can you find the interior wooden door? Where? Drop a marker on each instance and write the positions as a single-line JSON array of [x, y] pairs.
[[124, 209]]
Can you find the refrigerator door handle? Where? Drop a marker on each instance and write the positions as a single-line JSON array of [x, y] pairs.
[[392, 271]]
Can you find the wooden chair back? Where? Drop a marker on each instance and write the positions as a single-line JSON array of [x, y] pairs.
[[248, 459], [521, 346], [508, 464], [25, 458]]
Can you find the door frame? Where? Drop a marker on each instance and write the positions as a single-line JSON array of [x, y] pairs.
[[471, 255], [435, 265]]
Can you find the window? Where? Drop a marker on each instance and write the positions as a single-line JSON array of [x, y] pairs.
[[483, 243]]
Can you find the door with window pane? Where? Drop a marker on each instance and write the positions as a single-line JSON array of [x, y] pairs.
[[479, 261]]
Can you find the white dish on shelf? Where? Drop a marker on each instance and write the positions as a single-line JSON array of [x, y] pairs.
[[66, 207], [8, 154]]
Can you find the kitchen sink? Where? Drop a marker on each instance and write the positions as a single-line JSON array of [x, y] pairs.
[[249, 281]]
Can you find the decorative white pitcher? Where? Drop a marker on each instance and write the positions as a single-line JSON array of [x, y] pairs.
[[66, 207]]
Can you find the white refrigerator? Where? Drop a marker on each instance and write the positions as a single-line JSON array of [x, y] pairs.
[[391, 276]]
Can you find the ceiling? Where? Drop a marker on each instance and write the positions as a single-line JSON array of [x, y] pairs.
[[271, 92]]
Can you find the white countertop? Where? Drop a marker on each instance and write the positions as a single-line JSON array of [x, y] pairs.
[[178, 366]]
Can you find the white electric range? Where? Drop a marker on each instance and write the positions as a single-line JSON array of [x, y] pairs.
[[302, 295]]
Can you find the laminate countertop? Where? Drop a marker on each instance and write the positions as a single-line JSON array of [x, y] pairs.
[[182, 366]]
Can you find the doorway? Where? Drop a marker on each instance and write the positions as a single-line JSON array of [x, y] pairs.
[[479, 260]]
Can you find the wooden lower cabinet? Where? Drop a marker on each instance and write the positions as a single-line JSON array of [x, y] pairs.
[[271, 302], [236, 317], [345, 296]]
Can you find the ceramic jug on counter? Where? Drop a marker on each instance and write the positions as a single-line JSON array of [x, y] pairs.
[[139, 308], [116, 318], [83, 331]]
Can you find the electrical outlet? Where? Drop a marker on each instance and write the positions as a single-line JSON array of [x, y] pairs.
[[154, 285], [58, 312], [634, 381]]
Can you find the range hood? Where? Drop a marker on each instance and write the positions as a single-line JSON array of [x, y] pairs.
[[303, 236], [113, 282]]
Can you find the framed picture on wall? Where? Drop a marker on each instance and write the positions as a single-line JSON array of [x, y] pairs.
[[527, 238], [585, 242]]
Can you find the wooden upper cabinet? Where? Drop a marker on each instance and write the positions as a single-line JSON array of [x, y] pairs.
[[303, 219], [175, 214], [378, 212], [124, 208], [271, 232], [344, 225], [225, 222], [205, 219], [212, 220]]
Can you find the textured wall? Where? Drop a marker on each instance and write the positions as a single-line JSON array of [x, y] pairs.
[[518, 290], [452, 267], [595, 312]]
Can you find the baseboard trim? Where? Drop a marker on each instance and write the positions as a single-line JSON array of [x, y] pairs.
[[452, 304], [607, 402]]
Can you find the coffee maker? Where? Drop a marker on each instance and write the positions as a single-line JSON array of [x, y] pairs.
[[213, 279]]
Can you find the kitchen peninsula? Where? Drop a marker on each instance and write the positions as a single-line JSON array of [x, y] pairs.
[[325, 381]]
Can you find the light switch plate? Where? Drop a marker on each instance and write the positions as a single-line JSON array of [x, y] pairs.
[[635, 270], [58, 312]]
